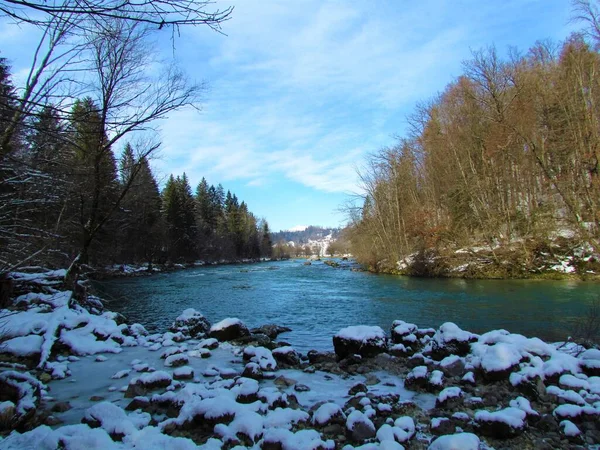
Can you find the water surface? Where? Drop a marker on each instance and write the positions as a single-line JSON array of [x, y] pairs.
[[317, 300]]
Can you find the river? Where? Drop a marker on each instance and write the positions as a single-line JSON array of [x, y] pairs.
[[317, 300]]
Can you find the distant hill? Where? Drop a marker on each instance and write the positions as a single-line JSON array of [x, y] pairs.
[[308, 235]]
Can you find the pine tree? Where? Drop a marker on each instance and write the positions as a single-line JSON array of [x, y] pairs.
[[141, 219], [179, 214], [95, 187], [266, 245]]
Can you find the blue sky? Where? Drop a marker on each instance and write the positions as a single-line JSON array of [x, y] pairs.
[[301, 90]]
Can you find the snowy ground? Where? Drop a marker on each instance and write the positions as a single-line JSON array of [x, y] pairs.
[[86, 381]]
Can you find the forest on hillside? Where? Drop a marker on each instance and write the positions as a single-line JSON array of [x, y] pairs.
[[77, 136], [506, 157]]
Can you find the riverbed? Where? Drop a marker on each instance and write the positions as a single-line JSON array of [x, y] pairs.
[[316, 300]]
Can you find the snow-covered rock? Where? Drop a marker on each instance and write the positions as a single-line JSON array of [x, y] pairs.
[[229, 329], [360, 340], [458, 441], [501, 424], [191, 323]]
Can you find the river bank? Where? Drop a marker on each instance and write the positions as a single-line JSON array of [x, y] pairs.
[[221, 385], [562, 259]]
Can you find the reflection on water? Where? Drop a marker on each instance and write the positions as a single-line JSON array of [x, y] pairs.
[[317, 300]]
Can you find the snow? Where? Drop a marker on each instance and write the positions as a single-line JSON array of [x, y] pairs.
[[451, 332], [523, 404], [226, 323], [188, 314], [499, 357], [450, 392], [357, 416], [112, 418], [573, 382], [418, 372], [325, 413], [23, 345], [261, 356], [402, 328], [513, 417], [185, 371], [469, 377], [569, 395], [361, 333], [569, 428], [459, 441], [436, 378], [285, 418], [450, 360]]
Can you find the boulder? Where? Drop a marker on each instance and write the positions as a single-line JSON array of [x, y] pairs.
[[463, 441], [328, 414], [286, 356], [503, 424], [366, 341], [448, 340], [400, 330], [271, 330], [148, 382], [359, 427], [228, 329], [252, 370], [191, 323]]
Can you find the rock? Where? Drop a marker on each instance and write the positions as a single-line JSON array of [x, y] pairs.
[[315, 357], [210, 344], [462, 441], [547, 423], [177, 360], [449, 398], [286, 356], [183, 373], [371, 379], [359, 427], [257, 340], [271, 330], [453, 366], [283, 381], [360, 340], [417, 378], [503, 424], [7, 415], [52, 421], [400, 330], [45, 377], [191, 323], [252, 370], [60, 407], [148, 382], [138, 403], [358, 387], [448, 340], [441, 425], [301, 388], [96, 398], [307, 263], [228, 330], [328, 414]]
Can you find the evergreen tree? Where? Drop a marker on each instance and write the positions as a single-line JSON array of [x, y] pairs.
[[141, 220], [266, 245], [179, 214], [95, 185]]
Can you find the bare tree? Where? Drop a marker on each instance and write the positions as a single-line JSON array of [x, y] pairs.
[[129, 102], [160, 13]]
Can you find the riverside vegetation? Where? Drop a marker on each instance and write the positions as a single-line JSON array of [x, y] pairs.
[[505, 159]]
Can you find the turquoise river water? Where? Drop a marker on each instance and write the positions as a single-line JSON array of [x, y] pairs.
[[317, 300]]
